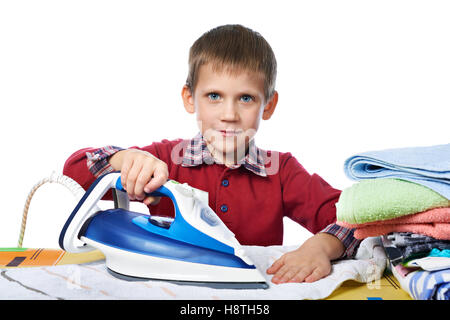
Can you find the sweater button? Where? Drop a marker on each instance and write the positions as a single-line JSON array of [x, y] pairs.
[[225, 182], [224, 208]]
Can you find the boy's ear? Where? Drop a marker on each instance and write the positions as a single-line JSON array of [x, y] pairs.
[[188, 99], [270, 106]]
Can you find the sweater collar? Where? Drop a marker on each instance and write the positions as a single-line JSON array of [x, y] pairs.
[[197, 153]]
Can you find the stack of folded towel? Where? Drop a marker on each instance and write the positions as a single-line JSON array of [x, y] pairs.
[[402, 195], [380, 206]]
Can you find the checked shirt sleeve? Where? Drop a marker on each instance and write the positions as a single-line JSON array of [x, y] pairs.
[[97, 160], [346, 236]]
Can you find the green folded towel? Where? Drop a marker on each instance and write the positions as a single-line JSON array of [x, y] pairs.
[[381, 199]]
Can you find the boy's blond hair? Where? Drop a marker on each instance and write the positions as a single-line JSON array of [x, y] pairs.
[[233, 48]]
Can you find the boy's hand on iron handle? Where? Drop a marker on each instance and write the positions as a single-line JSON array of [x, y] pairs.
[[141, 173]]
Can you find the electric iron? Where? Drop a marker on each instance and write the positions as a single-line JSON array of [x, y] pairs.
[[195, 247]]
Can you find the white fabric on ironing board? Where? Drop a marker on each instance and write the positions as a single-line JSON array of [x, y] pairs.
[[92, 281]]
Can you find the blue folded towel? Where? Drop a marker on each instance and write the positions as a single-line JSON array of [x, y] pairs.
[[428, 166]]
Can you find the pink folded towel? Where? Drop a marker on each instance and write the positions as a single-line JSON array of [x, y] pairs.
[[433, 223], [439, 231]]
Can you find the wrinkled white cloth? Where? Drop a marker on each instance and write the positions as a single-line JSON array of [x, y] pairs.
[[92, 280]]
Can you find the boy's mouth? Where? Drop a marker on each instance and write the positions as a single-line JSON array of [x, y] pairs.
[[229, 133]]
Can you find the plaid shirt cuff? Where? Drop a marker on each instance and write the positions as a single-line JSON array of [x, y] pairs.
[[97, 160], [346, 237]]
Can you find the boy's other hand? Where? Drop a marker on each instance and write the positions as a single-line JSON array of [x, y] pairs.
[[300, 266], [309, 263], [141, 173]]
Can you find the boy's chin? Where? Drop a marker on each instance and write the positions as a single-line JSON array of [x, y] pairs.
[[229, 149]]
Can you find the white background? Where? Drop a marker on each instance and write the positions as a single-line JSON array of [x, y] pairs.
[[353, 76]]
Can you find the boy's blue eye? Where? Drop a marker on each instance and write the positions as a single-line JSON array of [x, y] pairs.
[[213, 96], [246, 98]]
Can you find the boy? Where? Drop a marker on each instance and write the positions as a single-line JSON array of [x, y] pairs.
[[230, 88]]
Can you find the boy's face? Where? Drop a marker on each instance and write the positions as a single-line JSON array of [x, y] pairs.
[[229, 108]]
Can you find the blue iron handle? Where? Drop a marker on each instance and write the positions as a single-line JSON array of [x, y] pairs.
[[160, 192], [179, 229]]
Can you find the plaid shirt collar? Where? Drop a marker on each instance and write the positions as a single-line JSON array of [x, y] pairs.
[[197, 153]]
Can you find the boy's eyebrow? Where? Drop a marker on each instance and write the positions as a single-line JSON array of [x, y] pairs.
[[241, 92]]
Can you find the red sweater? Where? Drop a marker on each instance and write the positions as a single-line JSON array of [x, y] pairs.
[[252, 206]]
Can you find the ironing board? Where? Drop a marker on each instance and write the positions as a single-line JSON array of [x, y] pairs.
[[387, 288], [72, 271], [35, 257]]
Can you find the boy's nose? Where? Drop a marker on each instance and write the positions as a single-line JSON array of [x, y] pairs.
[[229, 112]]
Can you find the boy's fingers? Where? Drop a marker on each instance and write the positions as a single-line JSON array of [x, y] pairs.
[[301, 275], [312, 277], [279, 275], [275, 266], [288, 275], [151, 200], [142, 180], [317, 274], [131, 179], [160, 176], [124, 173]]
